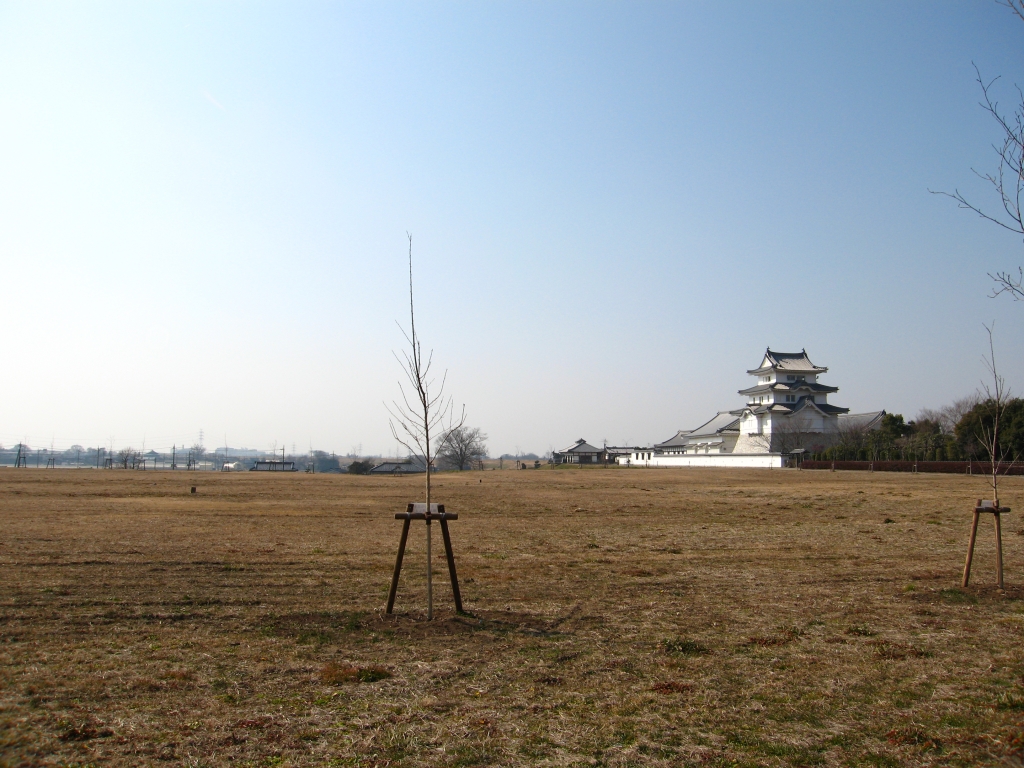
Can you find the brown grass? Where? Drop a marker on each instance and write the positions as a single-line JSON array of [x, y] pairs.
[[616, 617]]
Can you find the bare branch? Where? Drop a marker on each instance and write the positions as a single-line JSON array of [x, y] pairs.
[[1006, 282], [1008, 179], [1016, 6]]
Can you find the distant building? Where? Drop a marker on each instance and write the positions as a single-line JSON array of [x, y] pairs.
[[271, 465], [613, 452], [409, 466]]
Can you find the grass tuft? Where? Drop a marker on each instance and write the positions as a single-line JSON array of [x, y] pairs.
[[336, 674], [861, 630], [954, 595], [1011, 701], [684, 647], [913, 737]]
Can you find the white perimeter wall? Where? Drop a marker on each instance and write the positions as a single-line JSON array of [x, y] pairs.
[[746, 460]]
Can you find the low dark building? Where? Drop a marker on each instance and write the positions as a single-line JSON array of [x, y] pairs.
[[273, 465]]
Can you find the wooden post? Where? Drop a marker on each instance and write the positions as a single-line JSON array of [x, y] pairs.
[[430, 573], [398, 564], [970, 546], [999, 549], [451, 565]]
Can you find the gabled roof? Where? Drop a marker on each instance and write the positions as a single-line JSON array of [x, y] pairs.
[[788, 386], [825, 408], [677, 440], [582, 446], [722, 422], [794, 362], [871, 420], [400, 466], [786, 409]]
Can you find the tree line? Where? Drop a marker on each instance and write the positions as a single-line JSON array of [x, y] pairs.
[[956, 432]]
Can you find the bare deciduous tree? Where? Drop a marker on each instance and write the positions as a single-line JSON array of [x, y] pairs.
[[127, 457], [425, 416], [1008, 178], [948, 416], [462, 446], [849, 439], [787, 437], [995, 395]]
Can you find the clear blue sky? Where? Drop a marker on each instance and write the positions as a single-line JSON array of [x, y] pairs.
[[615, 209]]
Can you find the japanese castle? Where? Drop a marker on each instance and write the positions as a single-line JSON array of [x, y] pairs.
[[787, 411]]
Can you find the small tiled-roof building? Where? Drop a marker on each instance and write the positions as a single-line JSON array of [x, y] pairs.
[[580, 453], [410, 466]]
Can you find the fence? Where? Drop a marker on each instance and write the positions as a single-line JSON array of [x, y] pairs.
[[949, 467]]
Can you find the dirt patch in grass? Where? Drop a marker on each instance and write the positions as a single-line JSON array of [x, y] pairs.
[[614, 617]]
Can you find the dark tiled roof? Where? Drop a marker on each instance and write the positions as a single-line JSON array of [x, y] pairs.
[[677, 440], [724, 421], [399, 467], [870, 420], [787, 361], [825, 408], [787, 408], [788, 386], [582, 446]]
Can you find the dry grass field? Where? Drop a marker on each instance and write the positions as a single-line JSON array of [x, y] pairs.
[[615, 617]]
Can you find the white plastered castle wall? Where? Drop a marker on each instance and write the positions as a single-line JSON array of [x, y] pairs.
[[745, 460]]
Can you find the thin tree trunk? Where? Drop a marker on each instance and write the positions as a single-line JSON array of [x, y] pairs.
[[430, 570]]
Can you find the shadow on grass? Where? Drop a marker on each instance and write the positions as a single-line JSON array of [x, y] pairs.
[[314, 628]]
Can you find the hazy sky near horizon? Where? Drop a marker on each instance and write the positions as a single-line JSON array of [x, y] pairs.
[[615, 207]]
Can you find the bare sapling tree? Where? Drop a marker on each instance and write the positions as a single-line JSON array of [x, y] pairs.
[[995, 395], [463, 446], [424, 418], [1008, 178]]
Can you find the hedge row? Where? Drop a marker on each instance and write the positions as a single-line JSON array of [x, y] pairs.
[[950, 467]]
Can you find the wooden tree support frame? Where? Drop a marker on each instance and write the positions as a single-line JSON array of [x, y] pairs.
[[989, 507], [420, 512]]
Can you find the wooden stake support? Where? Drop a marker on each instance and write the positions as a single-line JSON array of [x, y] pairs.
[[420, 512], [989, 507]]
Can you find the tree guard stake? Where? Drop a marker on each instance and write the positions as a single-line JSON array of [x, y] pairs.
[[419, 511], [986, 506]]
